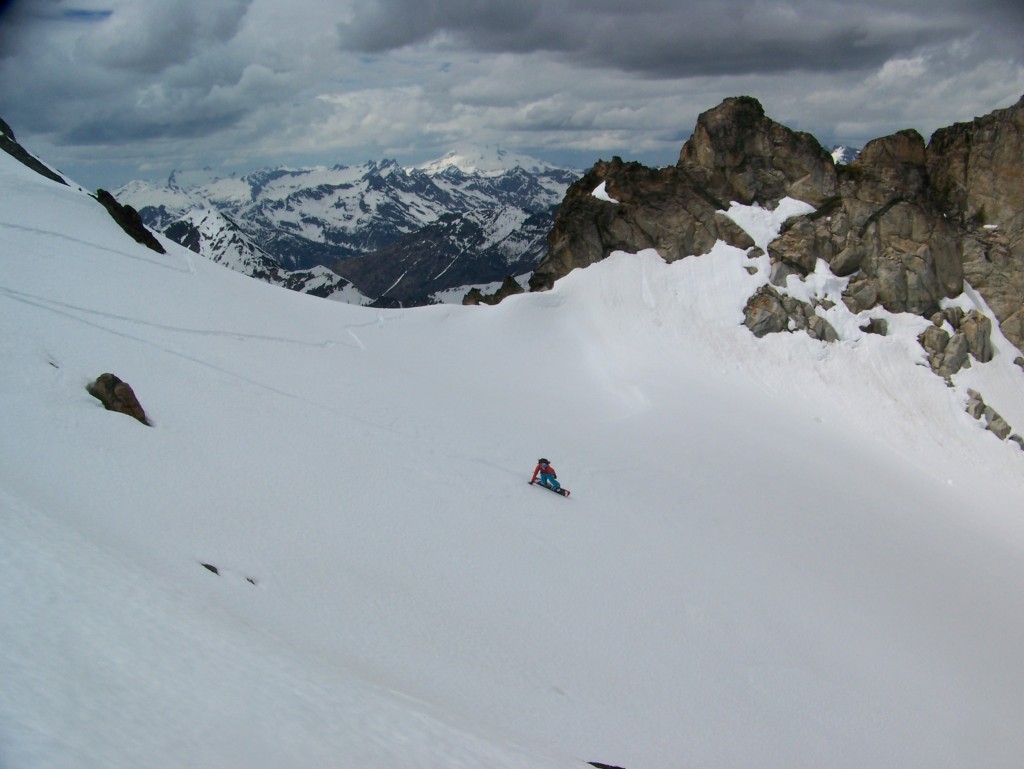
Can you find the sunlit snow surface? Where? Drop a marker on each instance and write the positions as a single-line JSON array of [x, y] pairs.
[[777, 553]]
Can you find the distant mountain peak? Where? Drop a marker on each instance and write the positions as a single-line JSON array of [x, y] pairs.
[[486, 160], [183, 180]]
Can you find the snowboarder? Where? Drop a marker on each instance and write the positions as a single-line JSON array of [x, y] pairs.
[[547, 474]]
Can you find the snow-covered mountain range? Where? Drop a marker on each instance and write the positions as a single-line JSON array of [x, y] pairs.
[[323, 551], [218, 238], [469, 218]]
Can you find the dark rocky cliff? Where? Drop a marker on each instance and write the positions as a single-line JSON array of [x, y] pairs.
[[906, 221], [977, 170]]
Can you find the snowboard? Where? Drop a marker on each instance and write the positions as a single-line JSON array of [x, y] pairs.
[[563, 491]]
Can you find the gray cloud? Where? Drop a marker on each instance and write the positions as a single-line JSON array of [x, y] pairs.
[[149, 38], [105, 84], [99, 131], [489, 24], [697, 38]]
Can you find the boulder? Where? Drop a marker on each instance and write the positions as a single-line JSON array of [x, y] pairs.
[[820, 329], [769, 312], [948, 353], [994, 423], [878, 326], [764, 313], [800, 245], [508, 287], [116, 395], [861, 294], [975, 404], [953, 358], [977, 331], [997, 425]]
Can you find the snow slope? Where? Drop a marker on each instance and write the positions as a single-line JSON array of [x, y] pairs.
[[778, 553]]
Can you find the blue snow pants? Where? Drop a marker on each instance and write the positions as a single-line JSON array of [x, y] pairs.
[[549, 480]]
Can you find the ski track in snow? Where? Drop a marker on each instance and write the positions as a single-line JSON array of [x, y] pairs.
[[141, 257], [77, 313]]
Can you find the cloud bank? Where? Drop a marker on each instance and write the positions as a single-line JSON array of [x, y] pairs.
[[137, 87]]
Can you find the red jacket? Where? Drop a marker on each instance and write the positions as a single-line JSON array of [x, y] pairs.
[[538, 470]]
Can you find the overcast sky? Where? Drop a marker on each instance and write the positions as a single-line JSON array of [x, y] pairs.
[[110, 90]]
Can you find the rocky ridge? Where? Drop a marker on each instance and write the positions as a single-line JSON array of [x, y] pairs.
[[11, 146], [905, 223]]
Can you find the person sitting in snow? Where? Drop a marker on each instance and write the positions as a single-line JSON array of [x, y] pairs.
[[547, 474]]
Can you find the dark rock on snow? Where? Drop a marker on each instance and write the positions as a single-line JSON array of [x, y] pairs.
[[10, 145], [130, 221], [508, 287], [993, 421], [118, 396], [769, 312], [948, 352]]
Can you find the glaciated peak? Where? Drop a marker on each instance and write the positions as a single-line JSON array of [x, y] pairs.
[[487, 160]]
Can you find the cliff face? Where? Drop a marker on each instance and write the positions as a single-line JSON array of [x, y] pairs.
[[885, 229], [738, 153], [977, 170], [978, 167], [905, 221], [654, 208]]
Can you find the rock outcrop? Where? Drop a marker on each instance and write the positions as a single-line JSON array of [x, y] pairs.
[[769, 312], [129, 221], [993, 421], [738, 153], [949, 352], [10, 145], [665, 209], [976, 168], [887, 231], [977, 171], [116, 395], [508, 287], [906, 222]]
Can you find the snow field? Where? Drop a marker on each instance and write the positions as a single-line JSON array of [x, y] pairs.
[[778, 553]]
